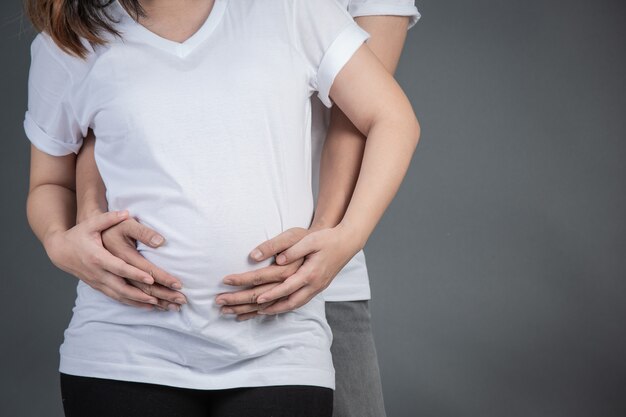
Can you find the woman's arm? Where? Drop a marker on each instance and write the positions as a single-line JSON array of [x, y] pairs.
[[76, 249], [340, 165]]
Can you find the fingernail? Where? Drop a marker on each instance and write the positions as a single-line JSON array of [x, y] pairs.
[[173, 307], [175, 286], [156, 240], [261, 300], [228, 281], [261, 312], [227, 310], [122, 213], [256, 254], [281, 258], [148, 280], [180, 300], [221, 302]]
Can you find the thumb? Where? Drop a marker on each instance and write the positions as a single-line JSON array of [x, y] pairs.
[[105, 220], [278, 243], [143, 233], [301, 249]]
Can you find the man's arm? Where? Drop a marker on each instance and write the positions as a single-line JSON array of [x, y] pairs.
[[90, 189], [343, 148], [340, 164], [120, 239]]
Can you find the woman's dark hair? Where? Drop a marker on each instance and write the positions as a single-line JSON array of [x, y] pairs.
[[66, 21]]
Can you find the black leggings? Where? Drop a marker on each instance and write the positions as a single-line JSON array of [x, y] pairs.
[[99, 397]]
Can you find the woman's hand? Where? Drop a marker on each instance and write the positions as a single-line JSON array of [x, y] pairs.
[[80, 252], [120, 241], [243, 303], [306, 263]]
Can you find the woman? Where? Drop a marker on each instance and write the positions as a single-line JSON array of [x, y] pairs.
[[196, 132]]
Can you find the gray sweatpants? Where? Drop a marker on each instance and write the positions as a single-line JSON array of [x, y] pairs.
[[358, 390]]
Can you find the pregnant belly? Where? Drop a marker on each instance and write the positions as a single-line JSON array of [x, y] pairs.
[[203, 244]]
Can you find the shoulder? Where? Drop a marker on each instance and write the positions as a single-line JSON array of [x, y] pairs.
[[48, 55]]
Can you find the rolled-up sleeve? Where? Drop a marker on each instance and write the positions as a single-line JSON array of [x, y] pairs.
[[327, 37], [385, 7], [49, 121]]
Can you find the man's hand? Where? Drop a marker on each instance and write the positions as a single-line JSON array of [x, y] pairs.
[[80, 252], [306, 263]]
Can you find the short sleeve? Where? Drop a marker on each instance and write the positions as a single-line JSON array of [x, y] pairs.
[[50, 122], [327, 37], [385, 7]]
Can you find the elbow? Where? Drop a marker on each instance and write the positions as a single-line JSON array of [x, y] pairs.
[[416, 132]]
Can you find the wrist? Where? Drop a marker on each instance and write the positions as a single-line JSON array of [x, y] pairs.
[[83, 214], [319, 224], [354, 236], [50, 241], [326, 217]]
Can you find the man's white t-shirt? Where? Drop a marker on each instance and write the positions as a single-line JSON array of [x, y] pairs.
[[209, 142], [352, 282]]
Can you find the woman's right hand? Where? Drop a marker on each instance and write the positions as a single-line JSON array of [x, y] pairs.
[[80, 251]]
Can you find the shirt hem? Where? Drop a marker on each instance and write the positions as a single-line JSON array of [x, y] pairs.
[[184, 377]]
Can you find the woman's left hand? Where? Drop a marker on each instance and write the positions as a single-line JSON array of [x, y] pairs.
[[306, 263]]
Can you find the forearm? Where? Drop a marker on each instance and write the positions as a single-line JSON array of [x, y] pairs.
[[50, 208], [389, 148], [51, 202], [344, 146], [90, 189], [339, 168]]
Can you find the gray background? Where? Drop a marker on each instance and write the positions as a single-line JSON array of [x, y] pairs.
[[498, 271]]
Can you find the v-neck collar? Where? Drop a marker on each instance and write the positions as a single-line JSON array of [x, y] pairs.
[[130, 26]]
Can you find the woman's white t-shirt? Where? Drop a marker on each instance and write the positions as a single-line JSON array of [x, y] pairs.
[[209, 142]]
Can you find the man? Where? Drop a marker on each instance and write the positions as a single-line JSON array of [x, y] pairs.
[[358, 389]]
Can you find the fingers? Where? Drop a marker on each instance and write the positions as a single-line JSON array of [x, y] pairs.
[[163, 294], [248, 296], [244, 308], [307, 245], [137, 304], [290, 303], [116, 288], [247, 316], [134, 258], [288, 287], [143, 233], [105, 220], [277, 244], [117, 266], [270, 273]]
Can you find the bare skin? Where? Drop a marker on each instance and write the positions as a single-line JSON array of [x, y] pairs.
[[369, 97]]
